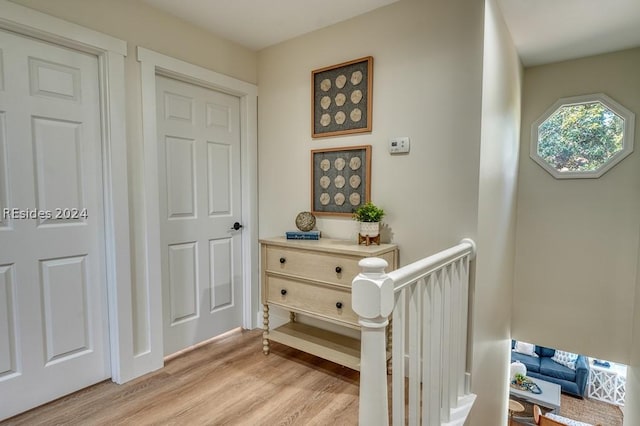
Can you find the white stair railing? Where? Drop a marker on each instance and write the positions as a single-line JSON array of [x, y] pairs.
[[428, 304]]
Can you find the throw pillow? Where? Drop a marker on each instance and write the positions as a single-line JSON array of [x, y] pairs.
[[526, 349], [567, 359]]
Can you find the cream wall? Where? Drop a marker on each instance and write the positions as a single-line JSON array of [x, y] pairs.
[[427, 85], [141, 25], [632, 388], [577, 240], [501, 98]]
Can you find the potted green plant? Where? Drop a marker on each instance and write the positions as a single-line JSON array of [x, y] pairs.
[[520, 379], [369, 216]]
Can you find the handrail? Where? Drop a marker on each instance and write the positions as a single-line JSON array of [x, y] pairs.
[[421, 268], [428, 301]]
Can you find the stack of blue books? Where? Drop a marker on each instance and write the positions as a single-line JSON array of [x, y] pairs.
[[303, 235]]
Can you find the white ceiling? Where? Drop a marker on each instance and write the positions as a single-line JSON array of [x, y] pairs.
[[257, 24], [543, 31]]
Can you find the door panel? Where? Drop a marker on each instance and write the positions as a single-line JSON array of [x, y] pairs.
[[1, 70], [58, 168], [219, 169], [219, 116], [8, 354], [221, 252], [180, 167], [177, 107], [54, 80], [53, 313], [199, 181], [4, 177], [64, 290], [183, 282]]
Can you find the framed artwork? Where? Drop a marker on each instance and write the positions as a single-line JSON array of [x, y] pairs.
[[341, 98], [340, 179]]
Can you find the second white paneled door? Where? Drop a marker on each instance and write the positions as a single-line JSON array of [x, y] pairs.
[[200, 200]]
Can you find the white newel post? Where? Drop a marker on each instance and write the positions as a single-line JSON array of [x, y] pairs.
[[372, 300]]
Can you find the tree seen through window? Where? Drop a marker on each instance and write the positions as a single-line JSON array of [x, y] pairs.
[[580, 137]]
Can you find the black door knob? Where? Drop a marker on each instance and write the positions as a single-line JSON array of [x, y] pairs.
[[282, 260], [338, 269], [236, 226], [283, 292], [339, 305]]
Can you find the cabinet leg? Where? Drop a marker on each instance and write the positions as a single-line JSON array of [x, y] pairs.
[[265, 329], [292, 316]]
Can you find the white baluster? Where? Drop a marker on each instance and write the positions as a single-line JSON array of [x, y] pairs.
[[455, 390], [446, 343], [427, 380], [464, 281], [414, 293], [466, 382], [430, 385], [373, 300], [435, 365], [397, 358]]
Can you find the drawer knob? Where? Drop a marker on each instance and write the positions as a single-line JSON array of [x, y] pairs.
[[338, 269], [283, 292], [339, 305], [282, 260]]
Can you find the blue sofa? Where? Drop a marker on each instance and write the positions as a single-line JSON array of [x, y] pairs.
[[571, 382]]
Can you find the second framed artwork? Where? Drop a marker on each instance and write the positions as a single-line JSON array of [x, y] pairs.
[[341, 98], [340, 179]]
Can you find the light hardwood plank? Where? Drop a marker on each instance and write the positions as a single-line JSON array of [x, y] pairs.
[[227, 382]]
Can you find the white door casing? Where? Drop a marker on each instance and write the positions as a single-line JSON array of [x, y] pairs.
[[152, 64], [110, 53], [52, 266], [200, 188]]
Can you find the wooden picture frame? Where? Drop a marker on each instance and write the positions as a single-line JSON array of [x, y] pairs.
[[341, 98], [340, 179]]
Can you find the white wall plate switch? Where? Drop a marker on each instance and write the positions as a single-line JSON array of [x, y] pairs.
[[399, 145]]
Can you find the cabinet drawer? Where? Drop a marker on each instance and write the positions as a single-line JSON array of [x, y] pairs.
[[315, 266], [311, 298]]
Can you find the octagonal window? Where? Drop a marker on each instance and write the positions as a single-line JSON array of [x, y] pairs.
[[582, 137]]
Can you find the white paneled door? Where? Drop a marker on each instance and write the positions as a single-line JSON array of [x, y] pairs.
[[53, 304], [200, 200]]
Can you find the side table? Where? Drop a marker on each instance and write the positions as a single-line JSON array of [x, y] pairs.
[[607, 384]]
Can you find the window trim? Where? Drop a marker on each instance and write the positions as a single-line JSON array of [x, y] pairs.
[[627, 139]]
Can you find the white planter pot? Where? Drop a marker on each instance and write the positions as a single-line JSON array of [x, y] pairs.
[[371, 229], [517, 368]]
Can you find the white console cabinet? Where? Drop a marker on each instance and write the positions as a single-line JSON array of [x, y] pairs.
[[314, 278]]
